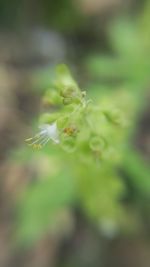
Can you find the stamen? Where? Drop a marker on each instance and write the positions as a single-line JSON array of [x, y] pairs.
[[47, 132], [37, 143], [44, 142], [38, 140], [38, 135], [37, 146], [29, 139]]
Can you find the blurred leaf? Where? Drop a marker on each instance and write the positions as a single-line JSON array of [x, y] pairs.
[[126, 38], [100, 190], [138, 172], [144, 26], [40, 203], [105, 66]]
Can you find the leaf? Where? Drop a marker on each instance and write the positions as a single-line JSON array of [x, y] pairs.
[[138, 172], [40, 203]]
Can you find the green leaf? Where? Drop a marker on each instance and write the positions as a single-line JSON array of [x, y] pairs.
[[138, 172], [39, 205]]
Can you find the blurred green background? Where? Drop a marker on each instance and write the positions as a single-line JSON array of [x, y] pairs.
[[58, 208]]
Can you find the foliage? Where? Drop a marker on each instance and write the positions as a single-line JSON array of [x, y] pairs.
[[83, 167], [91, 140], [126, 70]]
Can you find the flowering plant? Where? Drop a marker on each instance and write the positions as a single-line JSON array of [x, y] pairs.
[[87, 139], [78, 124], [89, 162]]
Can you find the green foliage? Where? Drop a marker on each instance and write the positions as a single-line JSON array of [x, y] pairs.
[[138, 172], [62, 15], [90, 139], [126, 71], [129, 64], [41, 204]]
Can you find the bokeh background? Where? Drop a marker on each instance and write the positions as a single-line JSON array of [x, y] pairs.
[[45, 219]]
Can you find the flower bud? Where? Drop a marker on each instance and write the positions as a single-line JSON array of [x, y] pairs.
[[52, 98], [68, 144], [70, 131], [97, 143], [70, 95], [114, 116]]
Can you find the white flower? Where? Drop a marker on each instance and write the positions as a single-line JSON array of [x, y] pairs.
[[47, 132]]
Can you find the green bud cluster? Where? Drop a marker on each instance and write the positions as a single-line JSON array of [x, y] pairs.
[[86, 127]]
